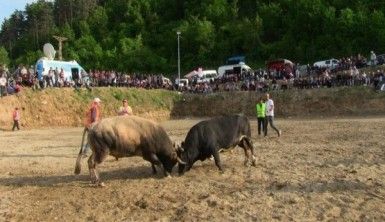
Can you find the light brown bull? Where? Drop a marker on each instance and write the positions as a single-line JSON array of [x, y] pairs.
[[125, 136]]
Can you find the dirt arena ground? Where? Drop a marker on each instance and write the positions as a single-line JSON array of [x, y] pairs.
[[327, 169]]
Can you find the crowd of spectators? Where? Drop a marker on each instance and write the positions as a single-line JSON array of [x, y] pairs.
[[98, 78], [11, 83], [346, 73], [267, 82]]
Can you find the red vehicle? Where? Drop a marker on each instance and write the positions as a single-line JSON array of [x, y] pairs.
[[282, 67]]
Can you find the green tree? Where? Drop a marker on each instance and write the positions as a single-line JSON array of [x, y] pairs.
[[40, 22], [4, 60], [89, 52]]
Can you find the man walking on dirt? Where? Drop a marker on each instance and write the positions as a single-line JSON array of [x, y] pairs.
[[261, 114], [270, 115], [16, 118]]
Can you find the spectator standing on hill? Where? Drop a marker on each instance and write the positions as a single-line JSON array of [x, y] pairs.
[[50, 77], [3, 85], [17, 88], [270, 115], [16, 118], [56, 76], [125, 110], [261, 114], [373, 58], [61, 78]]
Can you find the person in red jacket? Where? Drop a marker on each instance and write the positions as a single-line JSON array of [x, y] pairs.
[[16, 118], [93, 115]]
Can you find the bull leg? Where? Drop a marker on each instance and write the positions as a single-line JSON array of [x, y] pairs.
[[247, 146], [153, 168], [95, 179], [218, 161], [247, 156], [92, 168], [154, 160], [250, 145]]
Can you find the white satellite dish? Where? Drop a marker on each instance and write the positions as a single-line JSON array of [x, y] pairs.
[[49, 51]]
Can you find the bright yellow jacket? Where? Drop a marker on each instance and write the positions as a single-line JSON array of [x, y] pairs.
[[261, 110]]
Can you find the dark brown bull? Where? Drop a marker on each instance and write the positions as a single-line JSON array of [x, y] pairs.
[[126, 136], [207, 138]]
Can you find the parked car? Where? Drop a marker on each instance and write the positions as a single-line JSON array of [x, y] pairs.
[[233, 69], [330, 64], [181, 82], [206, 76]]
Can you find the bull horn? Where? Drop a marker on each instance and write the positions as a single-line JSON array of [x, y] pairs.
[[180, 161]]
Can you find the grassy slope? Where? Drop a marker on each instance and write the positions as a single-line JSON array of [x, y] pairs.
[[66, 107]]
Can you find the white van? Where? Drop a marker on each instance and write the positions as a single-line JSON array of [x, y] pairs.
[[331, 64], [233, 69], [71, 68], [206, 76], [181, 82]]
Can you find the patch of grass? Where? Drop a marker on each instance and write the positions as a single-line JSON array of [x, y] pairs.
[[84, 96], [118, 95]]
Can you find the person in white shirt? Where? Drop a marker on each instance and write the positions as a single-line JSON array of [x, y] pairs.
[[373, 58], [49, 80], [3, 84], [270, 115]]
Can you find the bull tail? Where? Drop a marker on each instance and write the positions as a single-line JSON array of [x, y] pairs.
[[78, 166]]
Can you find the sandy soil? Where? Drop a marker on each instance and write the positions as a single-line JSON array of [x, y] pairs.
[[318, 170]]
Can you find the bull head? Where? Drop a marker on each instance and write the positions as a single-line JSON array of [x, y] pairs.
[[178, 147], [179, 150]]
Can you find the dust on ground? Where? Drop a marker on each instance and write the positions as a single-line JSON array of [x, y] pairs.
[[318, 170]]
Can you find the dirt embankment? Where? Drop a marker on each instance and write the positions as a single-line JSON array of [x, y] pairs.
[[66, 107], [357, 101]]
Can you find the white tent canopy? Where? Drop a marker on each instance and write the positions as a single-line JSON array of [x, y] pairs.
[[194, 73]]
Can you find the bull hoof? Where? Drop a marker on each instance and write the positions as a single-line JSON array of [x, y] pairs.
[[246, 163], [101, 184], [96, 183], [254, 161]]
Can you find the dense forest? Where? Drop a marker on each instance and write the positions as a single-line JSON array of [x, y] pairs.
[[140, 35]]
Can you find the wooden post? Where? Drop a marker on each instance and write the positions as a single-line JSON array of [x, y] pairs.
[[60, 39]]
